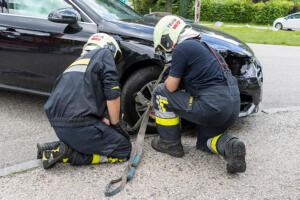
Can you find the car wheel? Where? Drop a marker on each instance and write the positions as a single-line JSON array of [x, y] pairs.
[[137, 93], [278, 26]]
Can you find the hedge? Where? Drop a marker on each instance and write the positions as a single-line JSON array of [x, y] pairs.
[[238, 11], [244, 11]]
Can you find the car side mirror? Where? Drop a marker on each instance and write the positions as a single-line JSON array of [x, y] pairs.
[[66, 16], [286, 18]]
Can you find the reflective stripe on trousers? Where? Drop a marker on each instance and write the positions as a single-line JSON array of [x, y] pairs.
[[167, 122]]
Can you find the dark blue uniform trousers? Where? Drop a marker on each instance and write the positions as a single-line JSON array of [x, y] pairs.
[[94, 139], [213, 109]]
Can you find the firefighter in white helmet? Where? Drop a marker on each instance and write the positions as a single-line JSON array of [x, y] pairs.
[[84, 108], [210, 97]]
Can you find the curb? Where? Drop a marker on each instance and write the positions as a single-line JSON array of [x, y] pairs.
[[20, 167]]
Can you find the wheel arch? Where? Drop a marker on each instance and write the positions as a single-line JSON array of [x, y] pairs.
[[281, 24], [137, 66]]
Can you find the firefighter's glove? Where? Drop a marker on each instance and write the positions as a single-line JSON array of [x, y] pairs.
[[122, 129]]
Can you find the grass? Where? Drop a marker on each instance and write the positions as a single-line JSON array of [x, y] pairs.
[[262, 36], [12, 174], [231, 23]]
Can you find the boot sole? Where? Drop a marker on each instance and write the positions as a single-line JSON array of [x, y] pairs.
[[39, 151], [236, 162], [177, 155], [51, 162]]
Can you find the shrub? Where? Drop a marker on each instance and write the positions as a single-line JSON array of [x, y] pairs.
[[271, 10], [143, 6], [245, 11], [238, 11]]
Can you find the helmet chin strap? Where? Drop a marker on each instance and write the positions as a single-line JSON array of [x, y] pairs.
[[83, 53], [187, 34]]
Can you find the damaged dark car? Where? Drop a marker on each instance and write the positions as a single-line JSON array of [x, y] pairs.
[[39, 39]]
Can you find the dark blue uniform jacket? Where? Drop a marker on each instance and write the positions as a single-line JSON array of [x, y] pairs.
[[196, 65], [80, 92]]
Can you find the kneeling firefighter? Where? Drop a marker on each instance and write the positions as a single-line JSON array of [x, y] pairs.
[[210, 98], [84, 109]]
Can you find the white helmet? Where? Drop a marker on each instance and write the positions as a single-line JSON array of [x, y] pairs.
[[167, 32], [102, 40]]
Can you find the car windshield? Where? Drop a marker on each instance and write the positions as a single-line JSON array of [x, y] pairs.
[[113, 10]]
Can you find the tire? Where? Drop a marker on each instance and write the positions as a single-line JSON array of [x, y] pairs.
[[278, 26], [131, 105]]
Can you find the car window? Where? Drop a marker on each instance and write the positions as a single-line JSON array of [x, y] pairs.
[[33, 8], [113, 10], [294, 16], [297, 16]]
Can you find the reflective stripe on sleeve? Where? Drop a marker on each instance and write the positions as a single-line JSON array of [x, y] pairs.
[[84, 61], [77, 68]]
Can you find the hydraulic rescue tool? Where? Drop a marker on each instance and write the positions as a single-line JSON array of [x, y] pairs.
[[137, 150]]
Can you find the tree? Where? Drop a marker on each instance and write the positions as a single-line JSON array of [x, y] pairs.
[[184, 8], [169, 6]]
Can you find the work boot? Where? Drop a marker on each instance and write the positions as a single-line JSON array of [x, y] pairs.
[[44, 147], [232, 149], [51, 157], [235, 152], [98, 159], [174, 148]]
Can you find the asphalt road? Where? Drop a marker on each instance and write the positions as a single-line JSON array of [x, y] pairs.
[[281, 75], [272, 151]]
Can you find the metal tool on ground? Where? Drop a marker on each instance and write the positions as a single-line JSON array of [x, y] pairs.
[[137, 150]]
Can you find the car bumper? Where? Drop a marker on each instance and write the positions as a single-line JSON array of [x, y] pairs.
[[251, 87]]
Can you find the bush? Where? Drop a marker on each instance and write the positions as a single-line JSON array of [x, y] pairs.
[[244, 11], [228, 11], [268, 12], [238, 11], [143, 6]]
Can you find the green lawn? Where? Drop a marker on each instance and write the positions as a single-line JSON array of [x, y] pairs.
[[263, 36], [231, 23]]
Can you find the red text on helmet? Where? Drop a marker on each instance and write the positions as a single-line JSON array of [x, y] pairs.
[[171, 23], [96, 38], [176, 24]]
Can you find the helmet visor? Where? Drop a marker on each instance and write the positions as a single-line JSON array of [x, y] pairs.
[[166, 42]]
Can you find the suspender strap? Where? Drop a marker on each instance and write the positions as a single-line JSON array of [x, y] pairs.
[[220, 58]]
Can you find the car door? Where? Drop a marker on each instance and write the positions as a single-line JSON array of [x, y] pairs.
[[296, 25], [291, 22], [33, 50], [287, 22]]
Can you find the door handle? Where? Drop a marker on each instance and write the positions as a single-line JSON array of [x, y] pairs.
[[11, 34]]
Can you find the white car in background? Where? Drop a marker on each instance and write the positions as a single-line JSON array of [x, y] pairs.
[[290, 22]]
